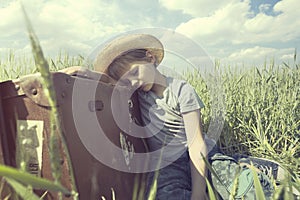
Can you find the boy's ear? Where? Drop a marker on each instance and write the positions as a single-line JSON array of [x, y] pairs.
[[150, 55]]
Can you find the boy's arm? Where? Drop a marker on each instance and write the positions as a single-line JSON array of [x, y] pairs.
[[74, 70], [85, 72], [196, 146]]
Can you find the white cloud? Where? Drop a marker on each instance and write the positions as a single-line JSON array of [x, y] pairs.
[[61, 24], [255, 52], [73, 46], [236, 23], [221, 27], [283, 27], [259, 54], [287, 57], [233, 25], [199, 8], [287, 6], [10, 19]]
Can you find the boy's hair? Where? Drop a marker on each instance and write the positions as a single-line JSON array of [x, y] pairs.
[[125, 44], [122, 63]]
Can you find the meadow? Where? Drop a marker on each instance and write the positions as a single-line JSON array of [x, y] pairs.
[[262, 111], [262, 106]]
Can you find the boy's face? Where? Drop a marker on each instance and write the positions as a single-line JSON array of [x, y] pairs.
[[140, 76]]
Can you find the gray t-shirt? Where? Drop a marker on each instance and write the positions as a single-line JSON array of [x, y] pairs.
[[162, 116]]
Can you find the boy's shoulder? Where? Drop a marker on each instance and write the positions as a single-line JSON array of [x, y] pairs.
[[174, 80], [178, 85], [171, 81]]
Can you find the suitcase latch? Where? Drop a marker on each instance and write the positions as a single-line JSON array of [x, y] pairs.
[[96, 105]]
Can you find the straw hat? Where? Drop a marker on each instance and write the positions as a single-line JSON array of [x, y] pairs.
[[127, 43]]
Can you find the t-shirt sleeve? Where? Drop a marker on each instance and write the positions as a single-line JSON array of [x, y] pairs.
[[189, 99]]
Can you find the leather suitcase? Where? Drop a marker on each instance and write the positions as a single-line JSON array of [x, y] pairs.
[[101, 148]]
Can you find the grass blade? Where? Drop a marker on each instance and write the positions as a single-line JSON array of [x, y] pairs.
[[235, 186], [28, 179], [211, 193], [55, 126], [258, 72], [43, 68], [286, 65], [295, 55], [259, 193], [21, 190], [210, 168]]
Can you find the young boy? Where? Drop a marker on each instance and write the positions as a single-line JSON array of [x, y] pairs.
[[170, 111]]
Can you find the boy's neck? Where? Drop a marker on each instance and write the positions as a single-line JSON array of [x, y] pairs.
[[159, 85]]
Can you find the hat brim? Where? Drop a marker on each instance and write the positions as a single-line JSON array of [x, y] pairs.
[[127, 43]]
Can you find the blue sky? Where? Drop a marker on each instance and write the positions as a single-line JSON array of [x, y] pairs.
[[233, 31]]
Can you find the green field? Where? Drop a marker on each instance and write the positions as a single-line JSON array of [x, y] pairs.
[[262, 104]]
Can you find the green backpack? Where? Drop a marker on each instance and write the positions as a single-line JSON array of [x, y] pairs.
[[223, 172]]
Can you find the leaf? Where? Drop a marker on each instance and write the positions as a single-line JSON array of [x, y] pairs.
[[240, 79], [21, 190], [5, 71], [211, 193], [296, 187], [210, 168], [259, 193], [258, 72], [286, 65], [268, 79], [278, 192], [235, 186], [295, 55], [153, 189], [28, 179], [54, 65]]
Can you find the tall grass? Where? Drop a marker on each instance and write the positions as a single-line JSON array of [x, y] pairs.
[[14, 64], [262, 112]]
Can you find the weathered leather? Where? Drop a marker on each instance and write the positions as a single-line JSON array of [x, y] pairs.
[[24, 99]]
